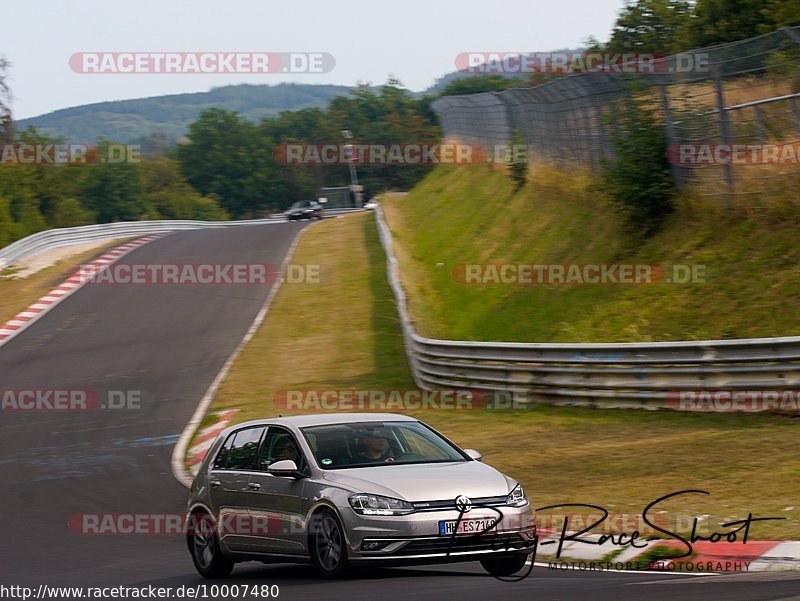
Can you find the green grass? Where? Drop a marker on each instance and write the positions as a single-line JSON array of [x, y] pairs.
[[463, 215], [344, 334]]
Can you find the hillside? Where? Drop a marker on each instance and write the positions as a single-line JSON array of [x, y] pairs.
[[471, 215], [133, 120]]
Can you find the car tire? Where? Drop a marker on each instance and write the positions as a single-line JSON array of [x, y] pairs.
[[327, 545], [204, 548], [506, 564]]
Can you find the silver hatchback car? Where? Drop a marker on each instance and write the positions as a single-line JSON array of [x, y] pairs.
[[352, 489]]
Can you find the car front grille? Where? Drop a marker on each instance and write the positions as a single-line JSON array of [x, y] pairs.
[[462, 544], [451, 503]]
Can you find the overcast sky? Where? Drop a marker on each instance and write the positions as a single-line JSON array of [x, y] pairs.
[[414, 40]]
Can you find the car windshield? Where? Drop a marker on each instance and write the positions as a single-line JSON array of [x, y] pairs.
[[366, 444]]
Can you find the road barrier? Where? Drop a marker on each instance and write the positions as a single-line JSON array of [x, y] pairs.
[[56, 238], [630, 374]]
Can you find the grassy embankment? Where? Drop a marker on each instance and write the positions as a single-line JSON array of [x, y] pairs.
[[472, 215]]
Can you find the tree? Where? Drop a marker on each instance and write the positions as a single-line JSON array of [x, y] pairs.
[[670, 26], [518, 162], [168, 195], [225, 156], [113, 192], [6, 223], [69, 212], [639, 177], [481, 83], [6, 124], [721, 21], [650, 26], [239, 162]]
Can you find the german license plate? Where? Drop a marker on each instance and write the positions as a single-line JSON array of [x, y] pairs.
[[471, 526]]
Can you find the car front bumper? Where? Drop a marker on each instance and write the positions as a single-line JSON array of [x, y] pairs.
[[415, 537]]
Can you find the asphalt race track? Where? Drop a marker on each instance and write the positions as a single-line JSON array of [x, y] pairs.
[[169, 342]]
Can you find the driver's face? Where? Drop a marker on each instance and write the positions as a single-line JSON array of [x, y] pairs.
[[286, 452], [376, 443]]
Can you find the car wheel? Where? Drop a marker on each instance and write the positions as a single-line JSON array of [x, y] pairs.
[[204, 547], [328, 546], [505, 565]]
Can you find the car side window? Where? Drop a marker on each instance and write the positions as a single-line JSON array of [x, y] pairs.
[[240, 450], [280, 445], [222, 455]]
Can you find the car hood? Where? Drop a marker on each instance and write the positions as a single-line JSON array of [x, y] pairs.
[[425, 482]]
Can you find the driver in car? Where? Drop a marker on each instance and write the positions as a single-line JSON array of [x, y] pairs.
[[285, 450], [375, 447]]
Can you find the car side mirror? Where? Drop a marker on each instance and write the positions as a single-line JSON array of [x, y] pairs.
[[284, 468], [474, 454]]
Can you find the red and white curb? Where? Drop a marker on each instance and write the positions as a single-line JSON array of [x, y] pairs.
[[71, 285], [206, 437], [753, 556]]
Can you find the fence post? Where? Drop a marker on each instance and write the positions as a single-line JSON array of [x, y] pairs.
[[509, 117], [759, 125], [678, 173], [603, 141], [724, 124], [589, 139], [795, 116]]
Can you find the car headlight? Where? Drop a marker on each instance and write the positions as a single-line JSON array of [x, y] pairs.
[[364, 504], [517, 498]]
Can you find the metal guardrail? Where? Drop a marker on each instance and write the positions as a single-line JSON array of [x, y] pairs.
[[56, 238], [611, 375]]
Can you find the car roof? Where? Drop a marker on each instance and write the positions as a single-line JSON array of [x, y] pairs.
[[323, 419]]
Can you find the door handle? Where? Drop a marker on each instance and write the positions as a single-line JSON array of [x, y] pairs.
[[254, 485], [215, 483]]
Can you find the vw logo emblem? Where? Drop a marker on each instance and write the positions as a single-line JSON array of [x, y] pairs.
[[463, 503]]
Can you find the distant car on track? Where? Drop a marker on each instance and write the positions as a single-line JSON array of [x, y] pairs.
[[349, 490], [371, 204], [304, 209]]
